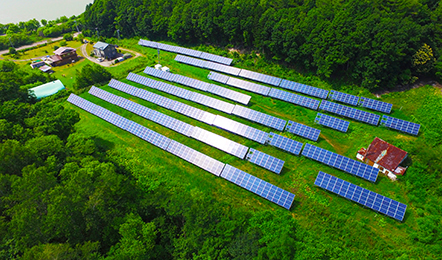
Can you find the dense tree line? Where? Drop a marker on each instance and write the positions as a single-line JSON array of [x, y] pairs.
[[374, 43]]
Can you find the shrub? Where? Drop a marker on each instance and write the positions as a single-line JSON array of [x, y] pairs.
[[12, 50]]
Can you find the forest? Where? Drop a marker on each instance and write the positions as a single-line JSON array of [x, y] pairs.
[[375, 44], [75, 187]]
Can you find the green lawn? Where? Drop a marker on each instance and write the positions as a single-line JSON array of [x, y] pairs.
[[313, 206], [45, 50]]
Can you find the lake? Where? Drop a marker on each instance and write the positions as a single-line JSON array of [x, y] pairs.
[[14, 11]]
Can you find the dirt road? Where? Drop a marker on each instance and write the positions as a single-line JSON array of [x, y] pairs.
[[105, 63]]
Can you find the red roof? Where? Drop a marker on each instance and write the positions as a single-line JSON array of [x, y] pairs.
[[385, 154]]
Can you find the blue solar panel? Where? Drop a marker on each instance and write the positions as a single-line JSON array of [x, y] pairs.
[[221, 78], [294, 98], [229, 94], [262, 188], [148, 43], [213, 103], [375, 105], [199, 159], [192, 112], [141, 93], [241, 129], [343, 97], [222, 68], [274, 81], [220, 142], [340, 162], [259, 117], [191, 61], [171, 48], [303, 130], [401, 125], [304, 89], [362, 196], [249, 86], [332, 122], [130, 126], [349, 112], [284, 143], [171, 123], [215, 58], [265, 161]]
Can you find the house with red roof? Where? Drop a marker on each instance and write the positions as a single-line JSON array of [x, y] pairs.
[[384, 156], [62, 55]]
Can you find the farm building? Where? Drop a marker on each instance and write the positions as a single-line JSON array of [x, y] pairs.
[[105, 50], [62, 55], [47, 89], [384, 156]]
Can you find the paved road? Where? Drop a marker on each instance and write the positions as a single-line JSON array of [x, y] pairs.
[[37, 43], [105, 63]]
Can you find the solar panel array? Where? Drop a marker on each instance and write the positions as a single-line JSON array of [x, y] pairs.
[[200, 85], [401, 125], [362, 196], [241, 129], [274, 81], [340, 162], [304, 89], [243, 179], [258, 117], [208, 65], [264, 160], [343, 97], [221, 78], [303, 130], [220, 142], [183, 93], [185, 51], [247, 85], [284, 143], [332, 122], [262, 188], [375, 105], [294, 98], [350, 112]]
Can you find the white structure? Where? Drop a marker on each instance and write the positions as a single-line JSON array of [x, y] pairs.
[[165, 69], [158, 66]]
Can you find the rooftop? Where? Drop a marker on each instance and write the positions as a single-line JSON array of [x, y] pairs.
[[101, 45], [384, 154], [63, 50], [47, 89]]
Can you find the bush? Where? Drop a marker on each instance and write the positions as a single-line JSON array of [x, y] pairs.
[[12, 51], [68, 37], [90, 75], [63, 43], [56, 47]]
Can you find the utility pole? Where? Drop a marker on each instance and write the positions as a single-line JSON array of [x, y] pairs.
[[118, 33], [11, 42], [76, 25], [96, 30], [158, 55]]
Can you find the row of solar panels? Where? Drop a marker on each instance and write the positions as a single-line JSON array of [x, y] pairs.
[[286, 84], [251, 183], [266, 161], [284, 143], [185, 51], [247, 113]]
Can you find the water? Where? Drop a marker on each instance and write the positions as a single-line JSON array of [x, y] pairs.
[[14, 11]]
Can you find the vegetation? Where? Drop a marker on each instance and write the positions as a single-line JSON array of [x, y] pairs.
[[90, 75], [376, 44]]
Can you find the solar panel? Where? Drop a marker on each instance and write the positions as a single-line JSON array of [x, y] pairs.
[[222, 68], [375, 105], [215, 58], [259, 117], [262, 188], [343, 97], [274, 81], [284, 143], [294, 98], [350, 112], [362, 196], [221, 78], [220, 142], [249, 86], [192, 112], [171, 123], [304, 89], [303, 130], [401, 125], [340, 162], [117, 120], [199, 159], [191, 61], [265, 161], [141, 93], [241, 129], [212, 102], [229, 94], [148, 43], [332, 122]]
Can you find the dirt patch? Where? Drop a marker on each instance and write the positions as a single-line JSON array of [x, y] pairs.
[[401, 88]]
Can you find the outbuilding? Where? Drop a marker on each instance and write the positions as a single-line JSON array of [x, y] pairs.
[[105, 50]]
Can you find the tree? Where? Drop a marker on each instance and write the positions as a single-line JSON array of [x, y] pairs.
[[68, 37], [44, 22], [12, 51], [91, 74]]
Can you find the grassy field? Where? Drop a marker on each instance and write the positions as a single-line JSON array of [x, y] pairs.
[[45, 50], [313, 206]]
